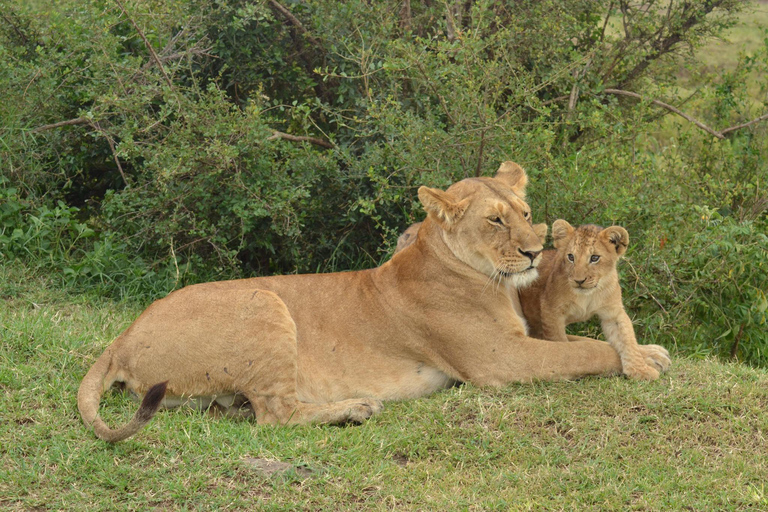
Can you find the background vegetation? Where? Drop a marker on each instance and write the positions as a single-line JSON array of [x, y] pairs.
[[147, 144]]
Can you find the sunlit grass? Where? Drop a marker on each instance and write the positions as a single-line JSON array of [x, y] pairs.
[[694, 439]]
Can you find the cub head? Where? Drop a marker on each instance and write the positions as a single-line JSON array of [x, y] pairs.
[[588, 253], [486, 223]]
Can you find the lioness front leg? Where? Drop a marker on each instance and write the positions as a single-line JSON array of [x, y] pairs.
[[552, 325], [619, 332], [527, 359]]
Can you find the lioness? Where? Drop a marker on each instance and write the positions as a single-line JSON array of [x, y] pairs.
[[409, 236], [578, 280], [329, 347]]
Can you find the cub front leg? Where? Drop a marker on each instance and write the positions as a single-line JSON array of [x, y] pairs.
[[620, 334]]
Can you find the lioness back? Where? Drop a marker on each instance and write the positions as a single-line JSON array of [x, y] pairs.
[[578, 280]]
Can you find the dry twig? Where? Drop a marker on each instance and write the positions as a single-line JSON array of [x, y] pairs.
[[293, 20], [295, 138], [70, 122], [146, 43]]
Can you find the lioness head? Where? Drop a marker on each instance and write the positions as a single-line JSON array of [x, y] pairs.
[[588, 252], [486, 223]]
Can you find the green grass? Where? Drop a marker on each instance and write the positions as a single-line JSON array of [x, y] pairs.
[[695, 439], [747, 36]]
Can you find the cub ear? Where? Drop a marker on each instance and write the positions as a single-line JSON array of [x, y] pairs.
[[408, 237], [618, 237], [561, 232], [540, 230], [444, 206], [514, 177]]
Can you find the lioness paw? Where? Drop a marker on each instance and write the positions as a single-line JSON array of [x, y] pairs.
[[363, 410], [656, 356], [641, 372]]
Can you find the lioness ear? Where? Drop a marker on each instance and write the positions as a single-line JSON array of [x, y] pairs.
[[540, 230], [618, 237], [444, 206], [514, 176], [561, 232]]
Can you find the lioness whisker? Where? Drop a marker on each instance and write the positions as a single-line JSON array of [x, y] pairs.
[[491, 278], [500, 279]]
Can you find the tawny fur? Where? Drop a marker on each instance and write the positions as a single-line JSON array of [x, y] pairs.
[[540, 230], [578, 280], [329, 348]]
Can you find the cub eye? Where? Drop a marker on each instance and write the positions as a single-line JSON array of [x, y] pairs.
[[527, 215], [570, 258], [594, 258]]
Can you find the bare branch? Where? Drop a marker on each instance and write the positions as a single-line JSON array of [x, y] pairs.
[[405, 16], [293, 20], [450, 24], [112, 148], [719, 134], [605, 23], [667, 106], [740, 126], [146, 43], [79, 120], [479, 167], [179, 55], [691, 15], [555, 100], [736, 339], [295, 138]]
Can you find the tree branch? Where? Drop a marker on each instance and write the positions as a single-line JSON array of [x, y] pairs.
[[740, 126], [79, 120], [293, 20], [112, 148], [619, 92], [295, 138], [152, 53], [479, 166], [405, 16], [691, 14]]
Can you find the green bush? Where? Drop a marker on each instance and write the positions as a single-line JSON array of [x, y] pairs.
[[146, 145]]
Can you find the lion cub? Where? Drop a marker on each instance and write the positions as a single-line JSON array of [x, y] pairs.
[[578, 280]]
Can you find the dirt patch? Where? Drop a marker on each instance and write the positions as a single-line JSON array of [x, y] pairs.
[[275, 467]]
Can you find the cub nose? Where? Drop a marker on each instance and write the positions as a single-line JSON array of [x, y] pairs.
[[580, 282], [530, 254]]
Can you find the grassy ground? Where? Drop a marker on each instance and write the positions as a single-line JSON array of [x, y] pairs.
[[695, 439], [747, 36]]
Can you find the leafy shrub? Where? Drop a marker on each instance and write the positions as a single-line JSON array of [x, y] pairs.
[[55, 238], [142, 151]]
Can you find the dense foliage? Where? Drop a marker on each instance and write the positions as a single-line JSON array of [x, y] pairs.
[[150, 143]]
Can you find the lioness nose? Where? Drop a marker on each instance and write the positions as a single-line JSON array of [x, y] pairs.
[[580, 282], [531, 254]]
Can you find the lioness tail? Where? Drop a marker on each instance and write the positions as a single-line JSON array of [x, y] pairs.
[[89, 395]]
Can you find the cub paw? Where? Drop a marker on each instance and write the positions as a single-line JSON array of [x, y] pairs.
[[656, 356]]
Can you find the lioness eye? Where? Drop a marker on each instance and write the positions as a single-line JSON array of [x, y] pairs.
[[570, 258], [496, 220], [594, 259], [527, 214]]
